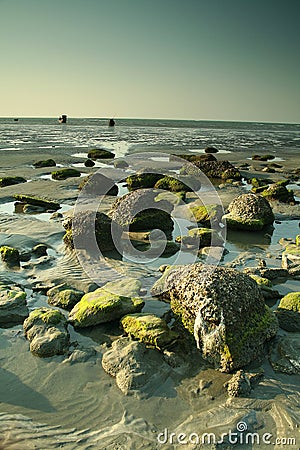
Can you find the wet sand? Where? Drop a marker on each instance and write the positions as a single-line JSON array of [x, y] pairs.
[[73, 404]]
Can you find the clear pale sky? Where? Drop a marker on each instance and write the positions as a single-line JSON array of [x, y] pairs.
[[185, 59]]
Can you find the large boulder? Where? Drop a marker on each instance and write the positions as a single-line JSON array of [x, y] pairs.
[[85, 225], [140, 210], [98, 184], [224, 310], [47, 331], [249, 212], [102, 306], [13, 306], [213, 169]]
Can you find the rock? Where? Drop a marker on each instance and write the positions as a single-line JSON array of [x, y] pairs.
[[98, 184], [98, 153], [249, 212], [143, 179], [46, 329], [84, 226], [201, 237], [291, 302], [31, 209], [40, 250], [193, 158], [13, 306], [239, 385], [223, 309], [288, 312], [266, 287], [10, 256], [285, 353], [103, 306], [44, 163], [9, 181], [213, 169], [63, 174], [184, 184], [64, 296], [32, 200], [149, 329], [207, 215], [211, 150], [140, 211], [89, 163], [120, 164], [278, 191], [137, 369], [262, 157]]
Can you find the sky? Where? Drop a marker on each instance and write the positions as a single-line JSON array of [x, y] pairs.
[[174, 59]]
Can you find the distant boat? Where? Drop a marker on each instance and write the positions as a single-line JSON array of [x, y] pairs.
[[111, 123], [62, 118]]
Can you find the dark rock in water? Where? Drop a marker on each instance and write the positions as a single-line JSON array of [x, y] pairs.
[[101, 306], [98, 184], [9, 181], [44, 163], [85, 225], [213, 169], [140, 211], [120, 164], [46, 329], [249, 212], [150, 329], [89, 163], [137, 369], [64, 296], [288, 312], [223, 309], [98, 153], [32, 200], [40, 250], [143, 180], [10, 256], [284, 356], [211, 150], [278, 191], [13, 306], [239, 385], [63, 174], [262, 157]]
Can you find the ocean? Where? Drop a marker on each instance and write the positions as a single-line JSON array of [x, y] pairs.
[[131, 135]]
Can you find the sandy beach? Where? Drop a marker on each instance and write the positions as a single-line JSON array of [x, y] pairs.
[[68, 401]]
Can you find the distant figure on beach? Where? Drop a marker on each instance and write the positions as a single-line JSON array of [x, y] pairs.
[[111, 123], [62, 118]]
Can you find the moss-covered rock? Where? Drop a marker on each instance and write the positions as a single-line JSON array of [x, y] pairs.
[[278, 191], [223, 309], [207, 214], [249, 212], [201, 237], [184, 184], [143, 180], [36, 201], [98, 153], [102, 306], [84, 227], [13, 306], [266, 157], [46, 329], [10, 256], [63, 174], [10, 181], [149, 329], [44, 163], [98, 184], [213, 169], [261, 281], [285, 353], [64, 296], [291, 302]]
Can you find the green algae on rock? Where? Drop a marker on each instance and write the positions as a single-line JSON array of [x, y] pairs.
[[249, 212], [207, 214], [64, 297], [102, 306], [44, 163], [182, 184], [36, 201], [98, 153], [143, 180], [10, 256], [291, 302], [278, 191], [13, 306], [150, 329], [63, 174], [46, 330], [201, 237], [10, 181], [223, 309]]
